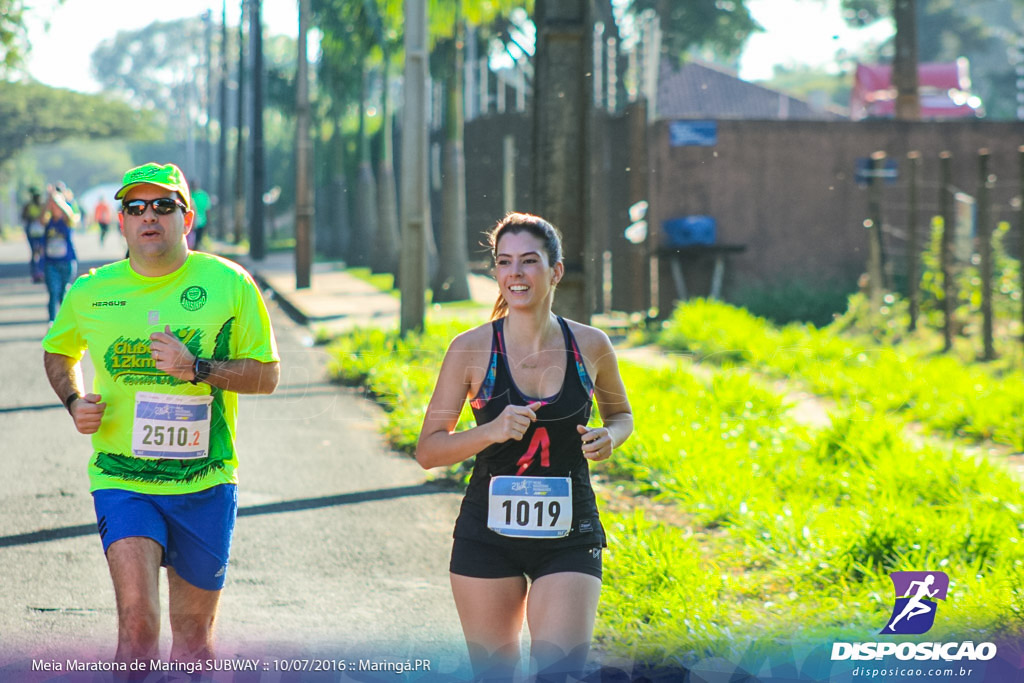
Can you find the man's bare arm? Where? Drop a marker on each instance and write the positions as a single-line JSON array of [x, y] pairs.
[[242, 376], [65, 375]]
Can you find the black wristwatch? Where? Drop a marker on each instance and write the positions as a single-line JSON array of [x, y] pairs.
[[202, 369]]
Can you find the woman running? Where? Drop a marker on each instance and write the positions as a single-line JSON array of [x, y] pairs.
[[528, 539]]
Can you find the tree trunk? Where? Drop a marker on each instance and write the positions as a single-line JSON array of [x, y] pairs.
[[220, 228], [415, 179], [339, 208], [386, 253], [904, 66], [451, 280], [257, 229], [561, 129], [365, 233], [303, 161], [239, 226]]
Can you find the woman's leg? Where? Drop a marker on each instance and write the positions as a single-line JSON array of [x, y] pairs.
[[491, 612], [560, 613]]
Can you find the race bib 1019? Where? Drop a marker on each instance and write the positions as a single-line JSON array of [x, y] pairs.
[[530, 507]]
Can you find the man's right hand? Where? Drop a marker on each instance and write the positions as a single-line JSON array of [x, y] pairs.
[[87, 412]]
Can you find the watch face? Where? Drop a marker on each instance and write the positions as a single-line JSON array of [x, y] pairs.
[[202, 370]]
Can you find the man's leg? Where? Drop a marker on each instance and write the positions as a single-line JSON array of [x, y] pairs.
[[201, 526], [134, 564], [193, 612]]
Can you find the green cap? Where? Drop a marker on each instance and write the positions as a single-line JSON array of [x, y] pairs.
[[167, 176]]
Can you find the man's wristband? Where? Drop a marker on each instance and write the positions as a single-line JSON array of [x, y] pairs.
[[71, 399], [201, 368]]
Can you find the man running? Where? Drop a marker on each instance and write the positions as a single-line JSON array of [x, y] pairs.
[[103, 217], [35, 231], [201, 205], [174, 337]]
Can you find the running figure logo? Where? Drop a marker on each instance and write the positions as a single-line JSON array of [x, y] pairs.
[[915, 607]]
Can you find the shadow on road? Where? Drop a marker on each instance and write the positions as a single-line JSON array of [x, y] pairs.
[[15, 305], [19, 271], [41, 406], [424, 489], [24, 340]]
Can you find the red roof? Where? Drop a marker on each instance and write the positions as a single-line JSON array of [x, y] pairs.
[[943, 87]]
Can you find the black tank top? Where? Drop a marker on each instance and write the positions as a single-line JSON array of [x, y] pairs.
[[551, 446]]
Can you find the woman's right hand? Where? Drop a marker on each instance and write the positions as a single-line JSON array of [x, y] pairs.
[[514, 421]]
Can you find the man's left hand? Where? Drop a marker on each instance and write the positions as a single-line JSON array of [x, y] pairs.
[[170, 355]]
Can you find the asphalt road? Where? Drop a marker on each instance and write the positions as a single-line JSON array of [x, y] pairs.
[[340, 550]]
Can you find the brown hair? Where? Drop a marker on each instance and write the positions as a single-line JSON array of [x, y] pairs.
[[514, 223]]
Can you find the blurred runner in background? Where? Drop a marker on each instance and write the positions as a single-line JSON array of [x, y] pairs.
[[32, 219], [103, 215], [60, 262], [201, 205]]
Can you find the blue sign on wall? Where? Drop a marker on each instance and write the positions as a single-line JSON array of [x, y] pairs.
[[862, 172], [693, 133]]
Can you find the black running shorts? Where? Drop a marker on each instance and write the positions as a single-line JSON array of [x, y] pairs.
[[492, 561]]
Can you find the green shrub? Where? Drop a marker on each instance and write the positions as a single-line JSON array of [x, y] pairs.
[[797, 300], [958, 399]]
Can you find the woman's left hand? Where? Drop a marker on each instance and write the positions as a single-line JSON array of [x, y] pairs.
[[597, 443]]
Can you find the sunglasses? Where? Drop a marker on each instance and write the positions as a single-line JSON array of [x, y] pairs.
[[162, 206]]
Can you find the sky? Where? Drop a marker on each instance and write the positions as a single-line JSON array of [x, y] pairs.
[[61, 55], [801, 32], [796, 32]]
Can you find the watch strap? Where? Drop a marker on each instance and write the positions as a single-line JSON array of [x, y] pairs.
[[201, 369]]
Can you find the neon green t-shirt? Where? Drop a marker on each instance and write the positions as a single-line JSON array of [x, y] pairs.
[[214, 307]]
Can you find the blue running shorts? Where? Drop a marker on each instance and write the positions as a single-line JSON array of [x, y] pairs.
[[194, 529]]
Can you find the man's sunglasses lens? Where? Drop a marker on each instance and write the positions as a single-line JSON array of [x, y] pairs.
[[162, 206]]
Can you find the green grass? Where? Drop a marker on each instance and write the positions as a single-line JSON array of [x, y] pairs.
[[805, 526], [385, 282], [949, 396], [398, 373], [732, 527], [796, 300]]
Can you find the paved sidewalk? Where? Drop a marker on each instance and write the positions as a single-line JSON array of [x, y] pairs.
[[336, 301]]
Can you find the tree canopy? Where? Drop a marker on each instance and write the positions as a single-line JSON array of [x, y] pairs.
[[155, 65], [13, 44], [31, 113], [722, 25]]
